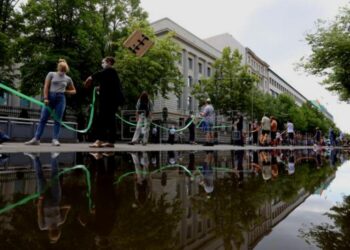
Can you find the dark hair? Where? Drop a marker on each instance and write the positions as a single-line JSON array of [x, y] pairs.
[[144, 97], [110, 60]]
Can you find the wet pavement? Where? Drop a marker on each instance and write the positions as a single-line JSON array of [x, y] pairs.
[[225, 199]]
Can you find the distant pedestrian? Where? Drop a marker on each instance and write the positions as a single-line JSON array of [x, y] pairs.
[[255, 131], [290, 131], [208, 114], [144, 108], [239, 125], [172, 132], [266, 127], [318, 137], [274, 126], [57, 84], [331, 137], [191, 128]]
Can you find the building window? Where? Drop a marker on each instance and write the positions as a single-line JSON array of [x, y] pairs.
[[209, 72], [200, 68], [24, 103], [189, 103], [189, 232], [179, 102], [190, 63], [3, 98], [180, 58], [189, 81]]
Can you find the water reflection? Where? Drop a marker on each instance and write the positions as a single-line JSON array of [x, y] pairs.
[[162, 200], [52, 214], [335, 235]]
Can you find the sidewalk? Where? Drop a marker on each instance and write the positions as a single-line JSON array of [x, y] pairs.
[[123, 147]]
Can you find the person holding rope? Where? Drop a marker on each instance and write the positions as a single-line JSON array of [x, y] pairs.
[[208, 115], [191, 128], [144, 108], [56, 85], [110, 98], [290, 131]]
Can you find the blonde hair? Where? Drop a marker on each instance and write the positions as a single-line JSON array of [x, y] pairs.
[[62, 66]]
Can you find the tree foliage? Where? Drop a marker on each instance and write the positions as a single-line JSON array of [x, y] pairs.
[[156, 72], [83, 32], [330, 57], [8, 31], [230, 86]]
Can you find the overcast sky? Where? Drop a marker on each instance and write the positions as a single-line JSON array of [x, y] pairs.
[[274, 29]]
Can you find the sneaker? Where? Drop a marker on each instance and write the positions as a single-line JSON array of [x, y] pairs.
[[33, 141], [55, 142], [131, 143], [54, 155], [31, 156]]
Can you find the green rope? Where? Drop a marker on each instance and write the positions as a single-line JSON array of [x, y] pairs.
[[120, 178], [41, 104]]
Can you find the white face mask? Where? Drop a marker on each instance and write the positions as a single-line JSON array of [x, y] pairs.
[[104, 64]]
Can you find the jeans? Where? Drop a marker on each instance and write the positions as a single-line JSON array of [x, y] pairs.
[[142, 122], [51, 190], [57, 102]]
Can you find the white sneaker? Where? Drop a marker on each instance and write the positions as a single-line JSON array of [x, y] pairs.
[[33, 141], [55, 142], [54, 155], [31, 155]]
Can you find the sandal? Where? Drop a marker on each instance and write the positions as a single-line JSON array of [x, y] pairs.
[[108, 145], [96, 144]]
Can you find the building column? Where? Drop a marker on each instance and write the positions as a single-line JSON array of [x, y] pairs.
[[185, 75]]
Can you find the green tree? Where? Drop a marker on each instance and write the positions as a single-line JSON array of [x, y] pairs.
[[156, 72], [8, 31], [70, 30], [330, 57], [230, 86]]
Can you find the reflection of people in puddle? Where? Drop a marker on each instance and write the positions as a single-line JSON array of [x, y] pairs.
[[102, 217], [333, 157], [254, 165], [274, 165], [171, 157], [266, 165], [206, 178], [239, 156], [51, 214], [291, 163], [142, 178]]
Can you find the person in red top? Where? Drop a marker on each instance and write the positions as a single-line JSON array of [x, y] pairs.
[[273, 130]]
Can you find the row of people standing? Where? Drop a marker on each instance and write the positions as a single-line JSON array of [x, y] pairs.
[[269, 128]]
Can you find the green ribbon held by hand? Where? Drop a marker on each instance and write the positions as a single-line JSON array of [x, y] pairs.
[[41, 104]]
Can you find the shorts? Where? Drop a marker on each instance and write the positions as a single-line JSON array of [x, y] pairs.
[[264, 132], [273, 135], [208, 126], [291, 136]]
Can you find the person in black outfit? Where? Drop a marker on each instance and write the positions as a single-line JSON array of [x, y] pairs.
[[191, 128], [240, 129], [110, 98]]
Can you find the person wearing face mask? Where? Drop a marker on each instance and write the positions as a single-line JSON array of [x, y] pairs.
[[110, 98], [57, 84]]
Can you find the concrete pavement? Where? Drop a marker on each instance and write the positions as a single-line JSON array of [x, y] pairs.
[[13, 147]]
